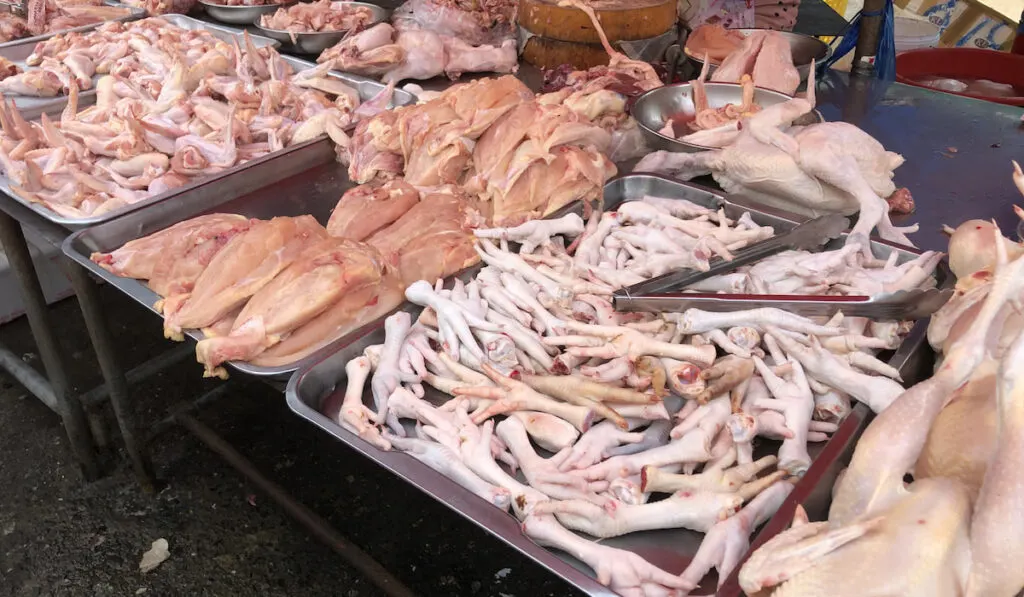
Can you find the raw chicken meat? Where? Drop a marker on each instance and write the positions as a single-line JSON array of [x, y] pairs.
[[54, 15], [523, 159], [820, 168], [533, 337], [767, 57], [366, 209], [323, 274], [463, 57], [248, 2], [956, 528], [321, 15], [246, 264], [490, 22], [713, 41], [432, 240], [142, 258], [742, 61], [425, 57], [166, 112], [774, 66], [400, 54], [12, 27], [371, 52]]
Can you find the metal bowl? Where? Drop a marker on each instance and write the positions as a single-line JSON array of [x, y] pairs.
[[240, 15], [652, 109], [314, 42], [804, 47]]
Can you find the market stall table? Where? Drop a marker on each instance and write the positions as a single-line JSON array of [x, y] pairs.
[[958, 153]]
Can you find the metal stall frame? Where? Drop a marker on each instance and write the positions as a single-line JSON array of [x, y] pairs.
[[54, 390]]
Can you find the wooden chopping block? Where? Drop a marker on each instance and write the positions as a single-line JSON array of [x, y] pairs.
[[620, 19], [544, 52]]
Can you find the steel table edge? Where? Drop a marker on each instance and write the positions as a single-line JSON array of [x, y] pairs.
[[450, 494]]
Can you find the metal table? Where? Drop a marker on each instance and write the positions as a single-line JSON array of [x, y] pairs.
[[958, 150], [958, 153], [55, 389]]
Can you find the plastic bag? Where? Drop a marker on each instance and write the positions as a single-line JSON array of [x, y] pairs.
[[885, 59]]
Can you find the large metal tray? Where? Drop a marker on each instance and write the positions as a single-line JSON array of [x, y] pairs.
[[260, 191], [133, 13], [316, 390], [658, 293], [18, 50], [233, 182]]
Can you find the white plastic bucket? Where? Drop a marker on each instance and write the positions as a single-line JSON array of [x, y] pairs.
[[915, 34]]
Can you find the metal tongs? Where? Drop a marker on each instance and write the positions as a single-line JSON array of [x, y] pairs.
[[898, 306], [662, 293]]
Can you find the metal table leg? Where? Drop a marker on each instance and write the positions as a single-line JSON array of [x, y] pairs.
[[113, 374], [68, 407]]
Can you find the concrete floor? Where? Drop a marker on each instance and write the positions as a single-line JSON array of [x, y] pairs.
[[60, 536]]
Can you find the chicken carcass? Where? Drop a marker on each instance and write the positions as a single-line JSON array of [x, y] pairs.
[[400, 54], [371, 52], [829, 167], [475, 23]]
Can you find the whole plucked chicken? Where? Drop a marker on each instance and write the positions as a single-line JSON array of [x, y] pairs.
[[814, 169], [400, 54], [956, 529]]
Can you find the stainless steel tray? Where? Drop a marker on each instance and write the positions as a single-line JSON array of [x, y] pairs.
[[134, 13], [315, 393], [18, 50], [659, 293], [219, 31], [239, 15], [233, 181]]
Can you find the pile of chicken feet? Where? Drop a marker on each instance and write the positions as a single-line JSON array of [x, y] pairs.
[[629, 404], [172, 105]]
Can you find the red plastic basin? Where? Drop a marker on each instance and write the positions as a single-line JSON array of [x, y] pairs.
[[964, 63]]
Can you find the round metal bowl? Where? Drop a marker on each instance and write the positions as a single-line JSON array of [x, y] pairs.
[[804, 47], [653, 109], [240, 15], [314, 42]]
